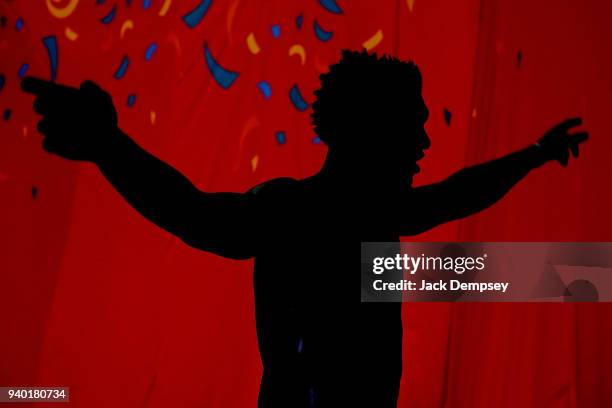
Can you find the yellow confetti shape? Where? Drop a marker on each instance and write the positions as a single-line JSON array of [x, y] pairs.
[[373, 41], [25, 131], [410, 4], [164, 8], [71, 34], [254, 162], [252, 44], [152, 116], [127, 25], [297, 49], [61, 12]]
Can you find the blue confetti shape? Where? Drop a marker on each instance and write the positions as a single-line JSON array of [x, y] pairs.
[[195, 16], [519, 58], [276, 31], [300, 346], [298, 21], [98, 2], [297, 99], [2, 80], [131, 100], [146, 4], [265, 89], [110, 16], [22, 70], [321, 33], [19, 24], [50, 43], [331, 6], [222, 76], [447, 116], [34, 192], [6, 115], [316, 140], [125, 63], [281, 139], [150, 51]]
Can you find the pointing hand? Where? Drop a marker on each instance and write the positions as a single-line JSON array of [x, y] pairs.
[[76, 124]]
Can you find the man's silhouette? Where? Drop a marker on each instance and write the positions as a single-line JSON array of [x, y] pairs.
[[320, 346]]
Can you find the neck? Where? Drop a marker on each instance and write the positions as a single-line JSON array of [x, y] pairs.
[[338, 170], [345, 172]]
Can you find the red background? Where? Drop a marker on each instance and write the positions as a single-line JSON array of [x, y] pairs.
[[95, 298]]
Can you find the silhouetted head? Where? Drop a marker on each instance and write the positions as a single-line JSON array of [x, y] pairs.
[[371, 114]]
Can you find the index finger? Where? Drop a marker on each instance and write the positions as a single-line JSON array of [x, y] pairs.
[[569, 123], [36, 86], [580, 137]]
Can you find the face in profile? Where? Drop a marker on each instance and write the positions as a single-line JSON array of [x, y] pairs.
[[397, 139]]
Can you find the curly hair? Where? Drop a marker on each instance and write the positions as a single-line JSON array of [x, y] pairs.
[[361, 85]]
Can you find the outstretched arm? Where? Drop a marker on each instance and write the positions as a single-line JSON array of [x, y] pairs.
[[81, 124], [478, 187]]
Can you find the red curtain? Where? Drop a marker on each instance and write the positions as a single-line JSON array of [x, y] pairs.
[[94, 297]]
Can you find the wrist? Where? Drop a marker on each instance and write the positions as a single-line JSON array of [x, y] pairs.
[[537, 154], [111, 143]]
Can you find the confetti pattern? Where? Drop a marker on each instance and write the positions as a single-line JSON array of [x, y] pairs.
[[225, 78], [196, 16], [50, 43], [107, 19], [321, 34], [222, 89], [123, 67]]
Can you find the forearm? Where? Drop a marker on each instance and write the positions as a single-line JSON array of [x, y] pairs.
[[152, 187], [478, 187]]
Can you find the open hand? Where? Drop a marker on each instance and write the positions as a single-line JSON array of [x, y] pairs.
[[76, 123], [558, 142]]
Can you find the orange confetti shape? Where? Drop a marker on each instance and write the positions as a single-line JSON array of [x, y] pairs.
[[164, 8], [127, 25], [61, 12], [373, 41], [71, 34], [252, 44], [297, 49]]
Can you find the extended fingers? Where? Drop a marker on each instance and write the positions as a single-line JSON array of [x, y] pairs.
[[575, 140], [568, 124], [580, 137], [37, 86], [47, 127]]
